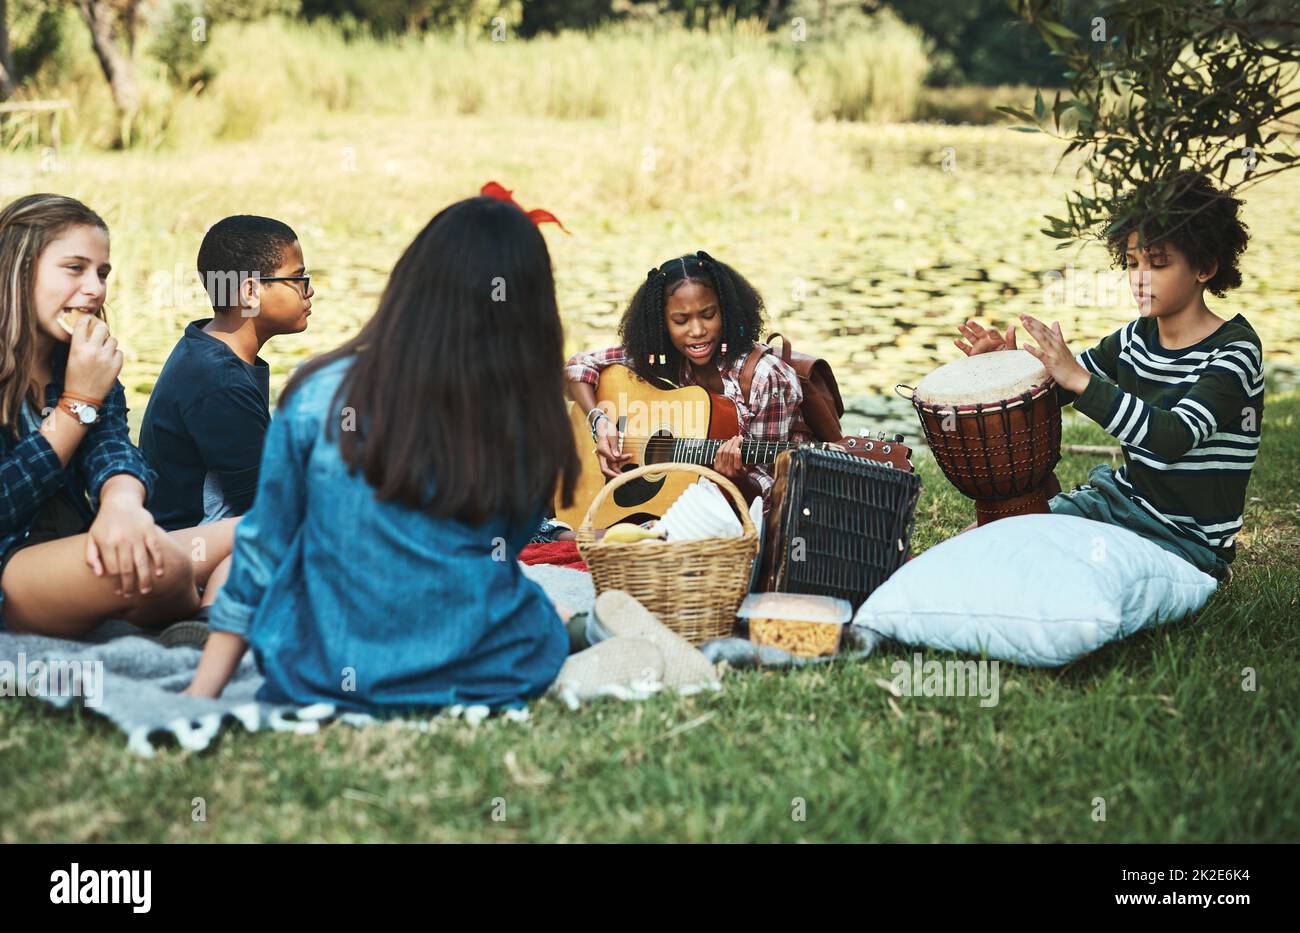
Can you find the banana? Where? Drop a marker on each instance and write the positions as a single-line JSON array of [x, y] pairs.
[[627, 533]]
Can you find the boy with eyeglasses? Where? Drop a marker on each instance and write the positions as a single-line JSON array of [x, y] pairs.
[[209, 411]]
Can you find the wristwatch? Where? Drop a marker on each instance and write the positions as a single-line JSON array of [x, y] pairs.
[[85, 412]]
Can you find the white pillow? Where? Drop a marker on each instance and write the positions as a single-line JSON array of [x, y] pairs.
[[1039, 590]]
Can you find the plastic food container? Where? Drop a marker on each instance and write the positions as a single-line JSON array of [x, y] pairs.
[[807, 626]]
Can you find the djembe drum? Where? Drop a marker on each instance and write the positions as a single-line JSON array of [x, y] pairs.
[[993, 423]]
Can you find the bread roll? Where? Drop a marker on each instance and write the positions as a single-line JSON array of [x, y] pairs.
[[68, 319]]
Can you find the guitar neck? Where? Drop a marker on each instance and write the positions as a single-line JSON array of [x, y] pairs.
[[705, 451]]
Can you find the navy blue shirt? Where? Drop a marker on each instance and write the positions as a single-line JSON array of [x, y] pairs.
[[203, 431]]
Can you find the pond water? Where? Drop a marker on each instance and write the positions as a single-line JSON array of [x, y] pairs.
[[932, 225]]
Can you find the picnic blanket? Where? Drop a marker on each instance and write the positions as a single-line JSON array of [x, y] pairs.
[[135, 683], [556, 553]]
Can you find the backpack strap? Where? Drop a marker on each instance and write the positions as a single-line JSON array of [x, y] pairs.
[[786, 349], [747, 373]]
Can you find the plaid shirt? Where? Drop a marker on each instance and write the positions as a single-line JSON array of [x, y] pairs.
[[767, 415], [30, 471]]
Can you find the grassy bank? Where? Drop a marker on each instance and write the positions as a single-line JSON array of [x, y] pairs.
[[1158, 725], [738, 84]]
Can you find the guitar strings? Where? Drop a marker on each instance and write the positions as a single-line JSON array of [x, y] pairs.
[[661, 448]]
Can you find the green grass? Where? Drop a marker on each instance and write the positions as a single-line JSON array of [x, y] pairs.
[[868, 243], [1158, 725]]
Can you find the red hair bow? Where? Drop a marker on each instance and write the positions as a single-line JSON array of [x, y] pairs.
[[538, 216]]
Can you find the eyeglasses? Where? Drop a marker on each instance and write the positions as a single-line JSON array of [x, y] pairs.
[[304, 279]]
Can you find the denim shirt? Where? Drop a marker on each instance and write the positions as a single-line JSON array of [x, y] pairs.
[[373, 606]]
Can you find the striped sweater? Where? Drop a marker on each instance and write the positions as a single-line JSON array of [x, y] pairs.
[[1188, 422]]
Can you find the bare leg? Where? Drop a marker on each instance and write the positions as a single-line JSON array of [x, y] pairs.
[[216, 582], [50, 590], [208, 547]]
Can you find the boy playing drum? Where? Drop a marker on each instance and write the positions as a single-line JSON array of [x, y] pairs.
[[1181, 387]]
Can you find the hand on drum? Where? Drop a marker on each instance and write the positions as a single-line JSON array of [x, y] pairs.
[[1055, 356], [984, 341]]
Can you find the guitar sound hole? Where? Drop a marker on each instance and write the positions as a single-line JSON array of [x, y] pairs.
[[659, 447]]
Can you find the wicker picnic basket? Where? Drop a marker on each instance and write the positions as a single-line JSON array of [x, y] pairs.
[[694, 587]]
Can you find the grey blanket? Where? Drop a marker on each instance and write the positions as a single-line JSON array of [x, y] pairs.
[[135, 682]]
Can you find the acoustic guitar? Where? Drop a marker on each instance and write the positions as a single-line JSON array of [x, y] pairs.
[[664, 424]]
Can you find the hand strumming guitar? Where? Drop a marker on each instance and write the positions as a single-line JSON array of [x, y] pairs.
[[608, 452]]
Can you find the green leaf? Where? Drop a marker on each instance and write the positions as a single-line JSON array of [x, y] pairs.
[[1057, 29], [1018, 113]]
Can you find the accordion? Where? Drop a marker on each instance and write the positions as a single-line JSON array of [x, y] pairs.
[[837, 525]]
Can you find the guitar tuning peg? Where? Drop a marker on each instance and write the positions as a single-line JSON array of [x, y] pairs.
[[898, 438], [880, 435]]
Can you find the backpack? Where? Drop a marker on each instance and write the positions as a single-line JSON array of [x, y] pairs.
[[822, 407]]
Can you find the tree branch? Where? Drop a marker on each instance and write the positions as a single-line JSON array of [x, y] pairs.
[[99, 17], [8, 79]]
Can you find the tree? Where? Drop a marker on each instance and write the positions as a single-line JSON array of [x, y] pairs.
[[8, 78], [1157, 86], [979, 42], [101, 17], [388, 17]]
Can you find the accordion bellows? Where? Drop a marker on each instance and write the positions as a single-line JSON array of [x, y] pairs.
[[839, 525]]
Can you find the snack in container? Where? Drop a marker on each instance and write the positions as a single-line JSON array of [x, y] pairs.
[[804, 625]]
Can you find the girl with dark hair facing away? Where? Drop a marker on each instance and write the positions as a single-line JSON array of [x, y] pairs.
[[401, 475], [77, 544], [694, 321]]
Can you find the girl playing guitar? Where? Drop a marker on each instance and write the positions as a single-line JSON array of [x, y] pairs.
[[694, 321]]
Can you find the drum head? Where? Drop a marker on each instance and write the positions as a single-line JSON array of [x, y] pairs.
[[984, 379]]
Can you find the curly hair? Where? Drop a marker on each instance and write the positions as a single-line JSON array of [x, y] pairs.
[[644, 329], [1201, 221]]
